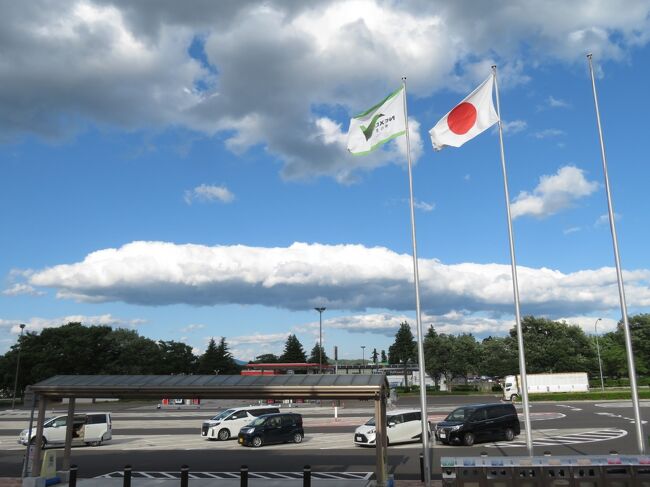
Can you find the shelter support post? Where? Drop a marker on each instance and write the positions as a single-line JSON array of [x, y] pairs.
[[38, 440], [69, 428], [381, 440]]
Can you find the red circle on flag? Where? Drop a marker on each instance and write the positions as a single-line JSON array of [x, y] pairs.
[[462, 118]]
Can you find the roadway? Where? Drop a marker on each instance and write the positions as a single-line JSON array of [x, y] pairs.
[[162, 440]]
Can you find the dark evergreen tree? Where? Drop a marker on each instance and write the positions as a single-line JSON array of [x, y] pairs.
[[374, 356], [314, 356], [384, 359], [293, 351], [403, 350]]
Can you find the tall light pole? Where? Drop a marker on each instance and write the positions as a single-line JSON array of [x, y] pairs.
[[363, 355], [20, 346], [320, 338], [600, 364]]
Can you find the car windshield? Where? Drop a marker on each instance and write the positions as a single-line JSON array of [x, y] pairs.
[[257, 421], [370, 422], [460, 414], [48, 422], [223, 415]]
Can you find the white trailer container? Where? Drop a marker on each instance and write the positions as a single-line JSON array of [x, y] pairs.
[[541, 383]]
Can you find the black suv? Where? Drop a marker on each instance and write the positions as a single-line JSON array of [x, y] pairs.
[[474, 422], [272, 428]]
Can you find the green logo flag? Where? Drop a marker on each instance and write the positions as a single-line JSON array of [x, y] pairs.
[[376, 126]]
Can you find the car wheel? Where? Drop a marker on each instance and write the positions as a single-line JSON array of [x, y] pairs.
[[297, 438], [43, 442], [468, 439], [509, 434], [257, 442], [224, 434]]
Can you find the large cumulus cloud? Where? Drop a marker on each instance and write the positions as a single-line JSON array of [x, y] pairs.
[[344, 277], [283, 75]]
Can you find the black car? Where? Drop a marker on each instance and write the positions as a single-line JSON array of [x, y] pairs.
[[476, 422], [272, 428]]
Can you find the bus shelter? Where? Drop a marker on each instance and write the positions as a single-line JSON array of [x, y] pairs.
[[309, 386]]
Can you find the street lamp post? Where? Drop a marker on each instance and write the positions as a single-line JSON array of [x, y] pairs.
[[320, 338], [363, 355], [20, 346], [600, 364]]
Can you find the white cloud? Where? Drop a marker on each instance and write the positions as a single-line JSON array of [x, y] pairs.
[[127, 64], [20, 288], [424, 206], [553, 102], [303, 275], [571, 230], [554, 193], [514, 127], [604, 219], [191, 328], [209, 193], [548, 133], [588, 323], [37, 324]]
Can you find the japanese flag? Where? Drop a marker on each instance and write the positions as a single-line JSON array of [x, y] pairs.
[[469, 118]]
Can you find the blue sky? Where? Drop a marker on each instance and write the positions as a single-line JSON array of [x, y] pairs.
[[183, 171]]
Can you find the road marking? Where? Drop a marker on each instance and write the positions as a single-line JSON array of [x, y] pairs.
[[236, 475], [631, 420], [572, 408], [585, 436]]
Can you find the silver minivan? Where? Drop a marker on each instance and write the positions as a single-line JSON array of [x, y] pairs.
[[402, 426], [87, 428]]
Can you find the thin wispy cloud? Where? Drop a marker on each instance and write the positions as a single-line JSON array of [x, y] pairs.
[[424, 206], [548, 133], [553, 102], [208, 194], [514, 127], [569, 231]]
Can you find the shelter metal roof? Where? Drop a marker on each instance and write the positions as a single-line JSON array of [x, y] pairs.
[[291, 386]]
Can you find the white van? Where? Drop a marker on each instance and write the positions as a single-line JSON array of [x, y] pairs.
[[87, 428], [227, 423], [403, 425]]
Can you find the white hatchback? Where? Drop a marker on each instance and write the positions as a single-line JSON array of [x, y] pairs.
[[402, 426]]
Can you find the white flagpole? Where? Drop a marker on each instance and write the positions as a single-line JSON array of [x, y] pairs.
[[515, 284], [619, 274], [423, 388]]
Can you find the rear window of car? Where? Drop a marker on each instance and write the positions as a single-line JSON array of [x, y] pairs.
[[96, 419], [412, 417], [261, 412]]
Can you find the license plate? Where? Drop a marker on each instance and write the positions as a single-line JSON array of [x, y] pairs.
[[442, 435], [358, 438]]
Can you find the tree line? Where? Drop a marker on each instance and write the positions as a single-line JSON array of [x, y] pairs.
[[550, 346]]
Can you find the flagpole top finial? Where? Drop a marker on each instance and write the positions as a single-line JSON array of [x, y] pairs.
[[589, 55], [494, 66], [403, 78]]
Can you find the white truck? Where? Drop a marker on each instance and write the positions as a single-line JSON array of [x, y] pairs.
[[540, 383]]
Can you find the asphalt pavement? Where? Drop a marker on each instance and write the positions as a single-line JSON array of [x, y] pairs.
[[155, 440]]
